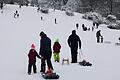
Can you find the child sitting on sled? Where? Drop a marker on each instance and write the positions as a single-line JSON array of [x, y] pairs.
[[49, 74], [56, 50]]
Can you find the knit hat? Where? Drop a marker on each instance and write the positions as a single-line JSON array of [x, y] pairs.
[[73, 32], [42, 33], [33, 46], [57, 40]]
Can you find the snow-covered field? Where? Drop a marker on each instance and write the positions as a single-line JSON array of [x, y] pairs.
[[17, 35]]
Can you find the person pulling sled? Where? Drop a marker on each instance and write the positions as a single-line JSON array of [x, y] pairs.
[[73, 42]]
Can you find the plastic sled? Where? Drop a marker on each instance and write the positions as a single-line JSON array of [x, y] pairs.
[[50, 76]]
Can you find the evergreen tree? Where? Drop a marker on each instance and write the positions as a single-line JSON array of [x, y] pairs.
[[34, 2], [73, 5]]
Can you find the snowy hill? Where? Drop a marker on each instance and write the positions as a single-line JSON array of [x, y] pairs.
[[17, 34]]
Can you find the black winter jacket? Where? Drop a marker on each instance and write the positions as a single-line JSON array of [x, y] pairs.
[[45, 47], [32, 56], [73, 41]]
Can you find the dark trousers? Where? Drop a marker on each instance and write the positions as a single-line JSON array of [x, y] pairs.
[[74, 55], [30, 66], [49, 63], [43, 64], [98, 39]]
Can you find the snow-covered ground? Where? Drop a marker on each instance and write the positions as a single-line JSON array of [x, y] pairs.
[[17, 35]]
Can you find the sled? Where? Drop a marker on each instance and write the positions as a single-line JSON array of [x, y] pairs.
[[85, 63], [50, 76]]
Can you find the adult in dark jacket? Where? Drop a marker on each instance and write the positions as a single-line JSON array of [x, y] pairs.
[[98, 35], [1, 5], [73, 42], [45, 51], [32, 59], [84, 28]]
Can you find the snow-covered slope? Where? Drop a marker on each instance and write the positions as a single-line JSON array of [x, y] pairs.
[[17, 34]]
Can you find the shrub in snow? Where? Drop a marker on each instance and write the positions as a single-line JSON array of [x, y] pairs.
[[69, 13], [89, 15], [96, 17], [114, 25], [11, 2], [63, 8], [44, 10], [111, 18]]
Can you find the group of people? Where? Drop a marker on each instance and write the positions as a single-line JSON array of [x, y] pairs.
[[99, 37], [95, 25], [16, 14], [45, 52]]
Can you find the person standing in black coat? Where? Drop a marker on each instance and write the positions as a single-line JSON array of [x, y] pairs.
[[73, 42], [1, 5], [45, 52], [99, 36]]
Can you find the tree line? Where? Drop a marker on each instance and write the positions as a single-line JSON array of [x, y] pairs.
[[103, 7]]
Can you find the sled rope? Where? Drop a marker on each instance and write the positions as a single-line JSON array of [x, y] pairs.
[[81, 55]]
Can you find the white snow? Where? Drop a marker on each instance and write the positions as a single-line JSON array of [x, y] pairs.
[[17, 35]]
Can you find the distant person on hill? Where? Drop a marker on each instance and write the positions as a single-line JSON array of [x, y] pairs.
[[56, 50], [1, 5], [41, 18], [97, 24], [92, 28], [20, 6], [38, 9], [77, 25], [32, 59], [94, 24], [84, 28], [73, 42], [99, 36], [55, 21]]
